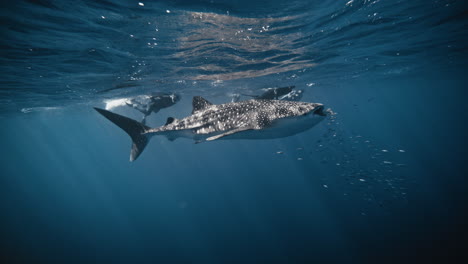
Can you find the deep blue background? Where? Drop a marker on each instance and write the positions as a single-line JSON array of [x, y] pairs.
[[69, 195]]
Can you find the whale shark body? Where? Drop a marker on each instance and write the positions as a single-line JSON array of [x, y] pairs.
[[251, 119], [148, 104], [277, 93]]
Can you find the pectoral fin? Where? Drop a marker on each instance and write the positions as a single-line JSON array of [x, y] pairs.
[[230, 132]]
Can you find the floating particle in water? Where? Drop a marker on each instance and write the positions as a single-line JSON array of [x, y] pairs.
[[338, 164], [103, 17], [279, 152], [384, 150], [141, 4], [325, 186], [387, 162], [310, 84], [300, 148], [183, 204], [216, 82], [168, 11], [362, 180], [401, 150], [299, 158]]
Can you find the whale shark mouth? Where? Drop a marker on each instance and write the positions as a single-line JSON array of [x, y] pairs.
[[319, 110]]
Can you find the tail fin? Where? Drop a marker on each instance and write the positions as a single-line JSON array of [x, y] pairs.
[[133, 128]]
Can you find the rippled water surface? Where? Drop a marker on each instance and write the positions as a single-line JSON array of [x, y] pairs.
[[56, 53], [381, 179]]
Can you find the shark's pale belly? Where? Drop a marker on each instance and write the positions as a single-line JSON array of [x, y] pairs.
[[280, 129]]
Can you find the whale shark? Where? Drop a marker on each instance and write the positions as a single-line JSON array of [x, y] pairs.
[[153, 103], [251, 119], [277, 93]]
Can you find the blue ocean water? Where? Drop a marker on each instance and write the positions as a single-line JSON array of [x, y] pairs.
[[381, 180]]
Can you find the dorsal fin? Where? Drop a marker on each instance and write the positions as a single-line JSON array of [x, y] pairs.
[[169, 120], [199, 103]]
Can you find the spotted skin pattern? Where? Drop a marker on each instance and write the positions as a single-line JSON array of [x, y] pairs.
[[251, 114], [274, 118]]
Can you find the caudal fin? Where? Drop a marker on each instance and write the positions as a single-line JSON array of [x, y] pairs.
[[133, 128]]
